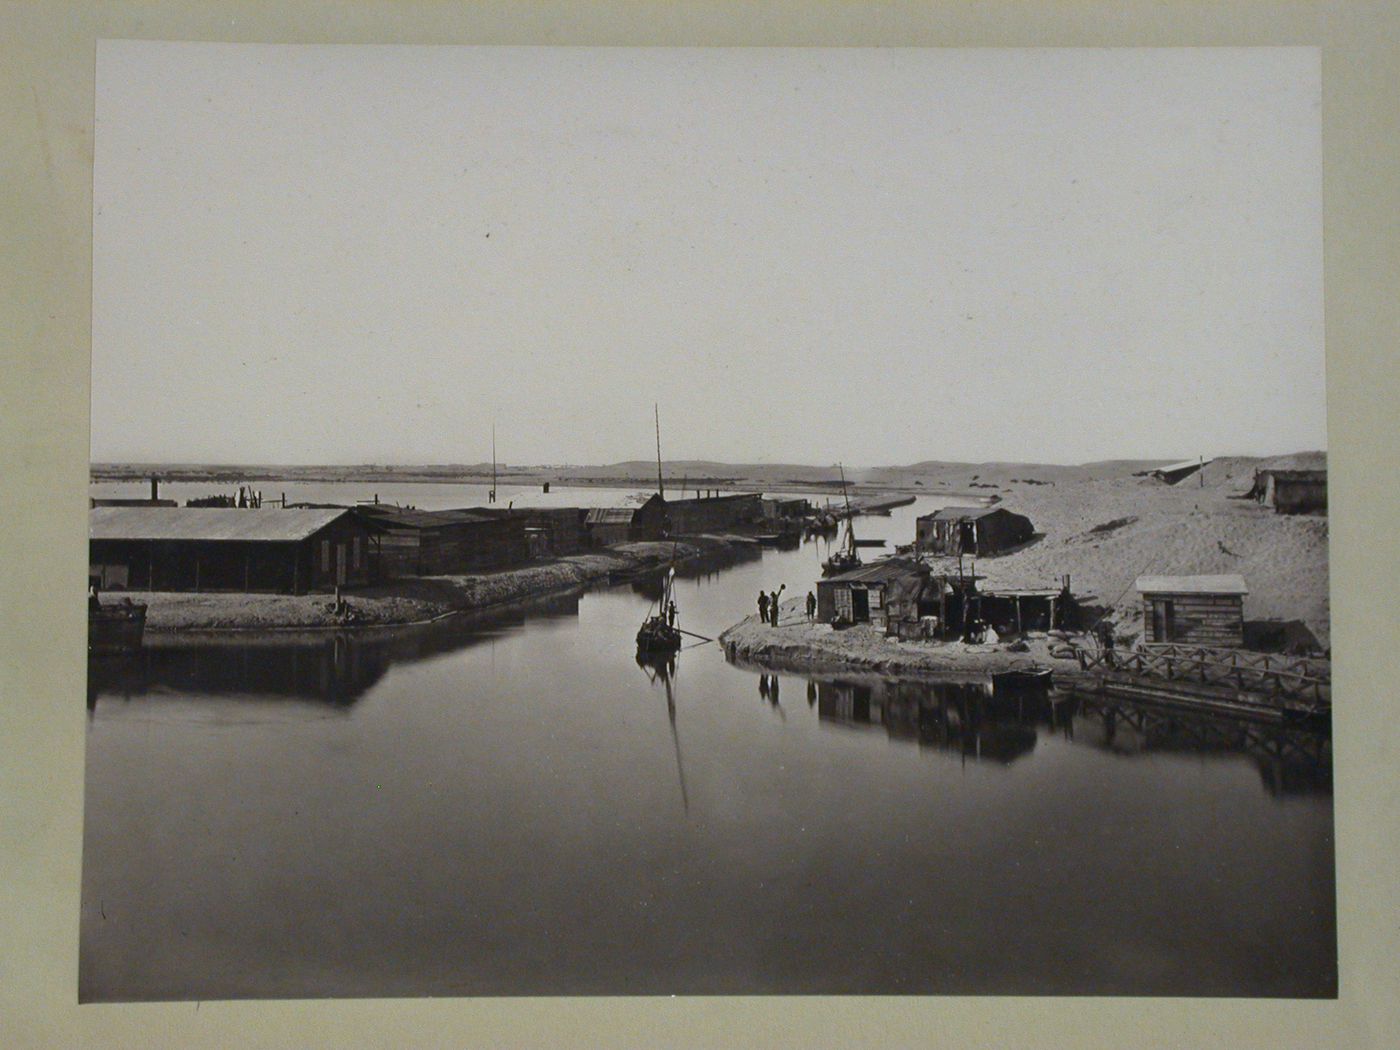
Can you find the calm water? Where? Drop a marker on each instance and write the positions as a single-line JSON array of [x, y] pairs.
[[511, 805]]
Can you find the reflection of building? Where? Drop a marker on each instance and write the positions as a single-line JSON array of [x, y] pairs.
[[338, 667], [1290, 760], [218, 549], [976, 531], [1198, 610], [947, 716]]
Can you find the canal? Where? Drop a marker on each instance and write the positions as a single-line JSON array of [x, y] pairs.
[[509, 804]]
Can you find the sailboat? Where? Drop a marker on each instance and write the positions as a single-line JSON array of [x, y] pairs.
[[659, 633], [845, 558]]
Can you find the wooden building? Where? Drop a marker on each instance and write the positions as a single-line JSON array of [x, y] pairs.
[[1175, 473], [882, 593], [713, 513], [444, 542], [1016, 610], [1196, 610], [608, 525], [198, 549], [553, 531], [785, 508], [1290, 491], [975, 531]]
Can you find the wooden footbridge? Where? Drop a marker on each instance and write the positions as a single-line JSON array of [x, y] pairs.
[[1227, 679]]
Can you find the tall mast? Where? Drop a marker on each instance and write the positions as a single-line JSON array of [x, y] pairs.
[[850, 530], [660, 485], [493, 464]]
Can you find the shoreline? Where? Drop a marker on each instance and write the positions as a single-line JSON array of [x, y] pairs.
[[411, 601], [800, 645]]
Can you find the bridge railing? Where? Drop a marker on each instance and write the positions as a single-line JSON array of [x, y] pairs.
[[1251, 672]]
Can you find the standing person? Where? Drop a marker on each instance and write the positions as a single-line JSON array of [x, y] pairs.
[[763, 606], [773, 607], [811, 606], [671, 614]]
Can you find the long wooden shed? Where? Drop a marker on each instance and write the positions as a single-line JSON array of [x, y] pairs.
[[445, 542], [226, 549], [1197, 610]]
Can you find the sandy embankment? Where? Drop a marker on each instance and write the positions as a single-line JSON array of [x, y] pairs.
[[1106, 532], [411, 600], [1103, 530], [797, 644]]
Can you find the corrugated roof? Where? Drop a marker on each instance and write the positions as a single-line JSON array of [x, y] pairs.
[[609, 516], [1185, 464], [263, 525], [696, 501], [1229, 583], [403, 517], [879, 571], [1295, 475]]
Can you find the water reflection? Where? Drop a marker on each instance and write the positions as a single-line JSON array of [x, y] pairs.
[[970, 719], [661, 670], [703, 568], [335, 668], [1291, 760]]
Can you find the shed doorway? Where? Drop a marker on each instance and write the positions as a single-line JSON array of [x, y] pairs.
[[1163, 620], [860, 604]]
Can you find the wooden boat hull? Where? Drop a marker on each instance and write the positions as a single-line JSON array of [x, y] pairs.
[[656, 636], [1022, 680], [835, 568], [116, 628]]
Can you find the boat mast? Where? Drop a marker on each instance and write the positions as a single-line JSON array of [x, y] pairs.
[[492, 497], [660, 485], [850, 531]]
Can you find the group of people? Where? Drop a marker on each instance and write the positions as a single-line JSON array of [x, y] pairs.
[[769, 606]]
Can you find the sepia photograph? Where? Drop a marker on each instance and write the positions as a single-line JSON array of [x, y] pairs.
[[641, 521]]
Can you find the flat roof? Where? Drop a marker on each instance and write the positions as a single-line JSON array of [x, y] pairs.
[[262, 525], [879, 571], [1225, 584], [610, 515], [959, 513], [1185, 464], [405, 517]]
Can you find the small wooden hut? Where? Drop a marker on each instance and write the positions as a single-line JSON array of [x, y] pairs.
[[1195, 610], [975, 531], [1290, 491]]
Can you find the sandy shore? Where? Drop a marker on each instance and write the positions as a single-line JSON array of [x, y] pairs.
[[797, 644], [410, 600]]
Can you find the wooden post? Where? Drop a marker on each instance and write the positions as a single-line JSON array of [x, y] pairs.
[[1019, 629]]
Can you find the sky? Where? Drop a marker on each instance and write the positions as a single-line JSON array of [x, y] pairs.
[[372, 254]]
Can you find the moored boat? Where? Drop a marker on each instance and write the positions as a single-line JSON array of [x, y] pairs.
[[845, 559], [1022, 678], [115, 628]]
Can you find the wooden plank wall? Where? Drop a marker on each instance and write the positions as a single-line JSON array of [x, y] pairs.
[[1200, 619]]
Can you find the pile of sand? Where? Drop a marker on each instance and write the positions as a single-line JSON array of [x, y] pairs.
[[1106, 532]]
